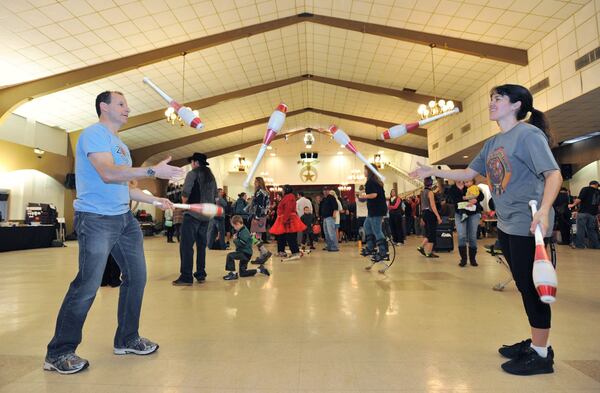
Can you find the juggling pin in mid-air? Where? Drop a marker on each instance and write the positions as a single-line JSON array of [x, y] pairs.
[[544, 275], [273, 127], [402, 129], [205, 209], [186, 114], [343, 139]]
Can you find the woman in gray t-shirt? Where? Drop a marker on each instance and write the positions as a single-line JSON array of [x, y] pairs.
[[519, 167]]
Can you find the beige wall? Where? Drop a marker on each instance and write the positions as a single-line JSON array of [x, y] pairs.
[[553, 57]]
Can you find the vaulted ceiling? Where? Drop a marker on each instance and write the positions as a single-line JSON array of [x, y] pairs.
[[328, 60]]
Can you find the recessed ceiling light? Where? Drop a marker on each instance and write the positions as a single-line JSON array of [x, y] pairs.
[[273, 154], [465, 156], [340, 153], [269, 147]]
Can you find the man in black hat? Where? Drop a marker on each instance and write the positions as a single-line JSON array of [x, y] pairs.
[[200, 186]]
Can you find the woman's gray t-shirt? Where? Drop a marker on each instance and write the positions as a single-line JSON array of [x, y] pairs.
[[514, 163]]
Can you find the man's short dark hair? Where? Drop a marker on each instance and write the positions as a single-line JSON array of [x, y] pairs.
[[105, 97], [301, 193], [594, 183]]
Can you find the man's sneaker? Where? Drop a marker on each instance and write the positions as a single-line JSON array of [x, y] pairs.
[[378, 258], [422, 251], [513, 351], [264, 270], [230, 276], [181, 283], [139, 346], [530, 363], [282, 255], [66, 364]]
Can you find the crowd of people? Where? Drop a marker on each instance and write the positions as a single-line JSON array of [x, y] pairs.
[[517, 162]]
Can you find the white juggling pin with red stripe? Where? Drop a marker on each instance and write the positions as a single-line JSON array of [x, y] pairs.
[[402, 129], [273, 127], [544, 274], [205, 209], [343, 139], [186, 114]]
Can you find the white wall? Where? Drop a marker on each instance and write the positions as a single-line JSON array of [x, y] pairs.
[[584, 176], [26, 132], [31, 186], [331, 169]]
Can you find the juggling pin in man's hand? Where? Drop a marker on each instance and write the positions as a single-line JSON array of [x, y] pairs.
[[184, 112], [273, 127], [544, 275], [402, 129], [343, 139], [205, 209]]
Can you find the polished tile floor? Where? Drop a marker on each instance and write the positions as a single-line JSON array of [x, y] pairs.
[[321, 324]]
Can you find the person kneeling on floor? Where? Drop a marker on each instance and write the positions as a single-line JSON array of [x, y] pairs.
[[243, 252]]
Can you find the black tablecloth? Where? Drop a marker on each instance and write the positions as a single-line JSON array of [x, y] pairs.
[[26, 237]]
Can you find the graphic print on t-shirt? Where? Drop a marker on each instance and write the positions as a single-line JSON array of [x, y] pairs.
[[498, 170], [121, 155]]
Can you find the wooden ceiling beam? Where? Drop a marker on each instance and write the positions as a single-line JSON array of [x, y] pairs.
[[140, 155], [13, 96], [143, 153], [422, 132], [475, 48]]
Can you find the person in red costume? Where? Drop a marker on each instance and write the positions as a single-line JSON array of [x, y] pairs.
[[287, 225]]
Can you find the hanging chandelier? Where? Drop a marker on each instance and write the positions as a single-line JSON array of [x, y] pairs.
[[356, 176], [170, 114], [434, 107]]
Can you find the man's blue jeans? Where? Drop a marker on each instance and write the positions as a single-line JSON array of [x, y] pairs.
[[216, 225], [373, 228], [467, 230], [99, 236], [586, 227], [330, 235]]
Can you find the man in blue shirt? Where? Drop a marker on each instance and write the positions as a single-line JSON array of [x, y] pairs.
[[105, 225]]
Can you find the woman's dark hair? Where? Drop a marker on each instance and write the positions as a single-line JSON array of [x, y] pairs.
[[372, 176], [241, 194], [261, 183], [287, 189], [428, 182], [516, 93]]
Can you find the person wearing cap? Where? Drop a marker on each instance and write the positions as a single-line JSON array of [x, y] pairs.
[[588, 201], [199, 186]]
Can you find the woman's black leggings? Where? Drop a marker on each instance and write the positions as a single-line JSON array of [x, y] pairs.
[[519, 252]]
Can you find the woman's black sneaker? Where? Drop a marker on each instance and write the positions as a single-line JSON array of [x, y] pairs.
[[513, 351], [530, 363]]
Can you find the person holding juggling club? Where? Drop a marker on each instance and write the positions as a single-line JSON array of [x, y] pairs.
[[105, 226], [520, 168], [374, 195]]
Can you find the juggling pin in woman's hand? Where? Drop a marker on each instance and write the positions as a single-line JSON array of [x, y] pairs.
[[186, 114], [343, 139], [273, 127], [544, 275], [402, 129]]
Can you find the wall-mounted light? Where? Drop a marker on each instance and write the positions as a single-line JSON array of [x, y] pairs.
[[39, 152]]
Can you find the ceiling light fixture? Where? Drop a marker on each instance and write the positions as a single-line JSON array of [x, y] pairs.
[[434, 107], [39, 152], [170, 114]]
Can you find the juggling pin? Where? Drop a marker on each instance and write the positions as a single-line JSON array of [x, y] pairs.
[[184, 112], [343, 139], [273, 127], [544, 275], [402, 129], [204, 209]]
